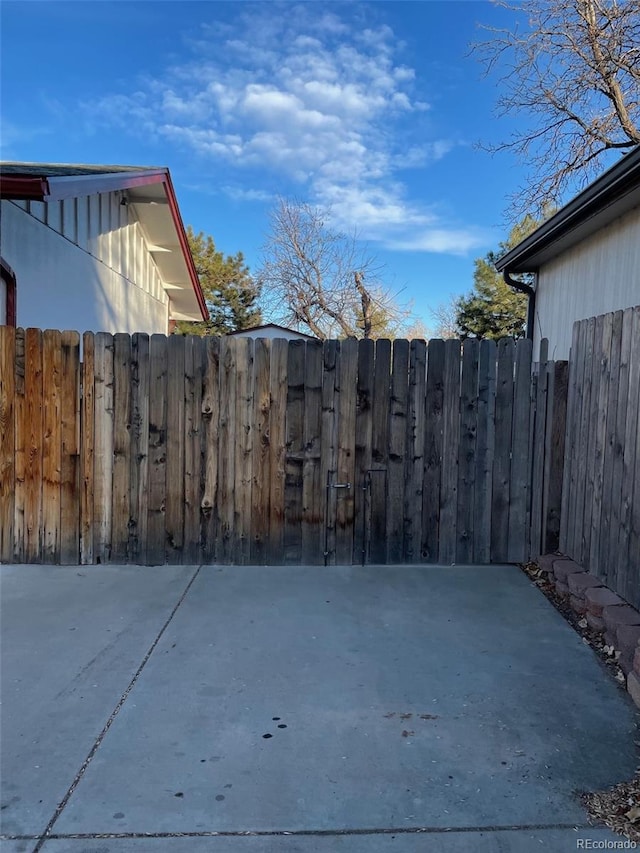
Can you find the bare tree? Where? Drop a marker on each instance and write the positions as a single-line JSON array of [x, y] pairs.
[[321, 280], [446, 317], [573, 70]]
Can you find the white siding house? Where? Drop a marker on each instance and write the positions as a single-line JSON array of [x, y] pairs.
[[272, 331], [97, 248], [586, 258]]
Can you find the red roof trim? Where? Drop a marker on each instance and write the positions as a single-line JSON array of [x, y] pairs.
[[184, 244], [23, 187]]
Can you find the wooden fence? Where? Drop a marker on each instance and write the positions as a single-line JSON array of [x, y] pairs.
[[188, 450], [600, 526]]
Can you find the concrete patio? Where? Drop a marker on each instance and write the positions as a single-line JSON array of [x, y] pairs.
[[246, 709]]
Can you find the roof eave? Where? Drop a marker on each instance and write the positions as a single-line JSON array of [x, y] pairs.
[[616, 183]]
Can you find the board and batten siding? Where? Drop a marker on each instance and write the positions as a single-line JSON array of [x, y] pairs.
[[87, 266], [599, 275]]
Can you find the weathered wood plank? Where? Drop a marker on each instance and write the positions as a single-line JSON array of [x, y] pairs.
[[577, 452], [156, 529], [243, 447], [538, 446], [583, 499], [20, 440], [121, 494], [485, 444], [70, 460], [414, 467], [51, 445], [502, 452], [103, 449], [329, 449], [376, 511], [226, 450], [450, 445], [347, 383], [569, 440], [519, 487], [139, 456], [193, 375], [600, 430], [626, 582], [87, 448], [294, 459], [277, 435], [398, 404], [174, 506], [467, 452], [590, 447], [209, 452], [313, 490], [33, 447], [363, 432], [434, 398], [611, 408], [7, 441], [555, 453], [261, 472]]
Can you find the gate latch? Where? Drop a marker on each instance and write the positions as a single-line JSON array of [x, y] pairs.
[[342, 485]]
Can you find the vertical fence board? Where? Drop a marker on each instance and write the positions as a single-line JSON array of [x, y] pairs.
[[519, 506], [121, 491], [577, 451], [556, 455], [87, 448], [209, 449], [174, 505], [434, 397], [348, 374], [467, 451], [538, 448], [329, 444], [398, 402], [70, 463], [376, 511], [312, 487], [569, 440], [277, 435], [7, 441], [485, 445], [611, 408], [585, 425], [502, 452], [450, 446], [414, 470], [20, 438], [51, 445], [226, 449], [294, 453], [103, 449], [156, 531], [139, 455], [590, 447], [363, 433], [193, 366], [261, 473], [243, 447], [626, 561], [600, 429], [33, 448]]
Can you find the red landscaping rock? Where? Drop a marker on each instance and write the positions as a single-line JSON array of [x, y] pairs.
[[577, 604], [564, 567], [599, 597], [617, 615], [633, 686], [596, 623], [545, 563], [581, 582], [627, 637]]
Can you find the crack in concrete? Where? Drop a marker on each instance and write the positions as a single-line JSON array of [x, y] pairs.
[[46, 834]]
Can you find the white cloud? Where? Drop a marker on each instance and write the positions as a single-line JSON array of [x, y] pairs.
[[308, 96]]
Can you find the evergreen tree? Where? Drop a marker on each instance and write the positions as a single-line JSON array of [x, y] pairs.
[[493, 309], [229, 289]]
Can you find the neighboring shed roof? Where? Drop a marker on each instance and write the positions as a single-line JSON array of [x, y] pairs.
[[149, 189], [272, 327], [610, 196]]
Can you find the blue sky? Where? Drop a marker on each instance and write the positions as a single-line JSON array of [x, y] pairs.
[[372, 109]]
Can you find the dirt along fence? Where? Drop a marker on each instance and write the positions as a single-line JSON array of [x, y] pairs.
[[230, 450]]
